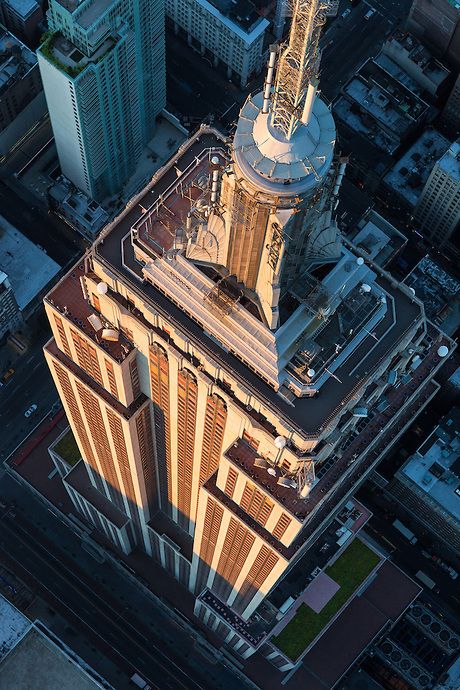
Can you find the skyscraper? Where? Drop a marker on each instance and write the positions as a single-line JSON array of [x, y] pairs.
[[227, 361], [438, 210], [103, 72]]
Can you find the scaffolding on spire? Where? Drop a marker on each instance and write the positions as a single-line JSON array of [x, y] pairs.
[[298, 64]]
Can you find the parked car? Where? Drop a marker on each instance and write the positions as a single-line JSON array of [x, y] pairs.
[[346, 13], [30, 411]]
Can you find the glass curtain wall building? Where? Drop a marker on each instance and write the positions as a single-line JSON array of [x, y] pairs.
[[103, 70]]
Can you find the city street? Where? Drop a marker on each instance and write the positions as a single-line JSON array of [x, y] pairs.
[[30, 384], [104, 603], [350, 41]]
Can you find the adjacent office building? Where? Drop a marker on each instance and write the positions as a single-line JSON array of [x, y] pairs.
[[437, 24], [22, 18], [228, 32], [428, 484], [450, 116], [22, 101], [103, 72], [438, 210], [224, 358]]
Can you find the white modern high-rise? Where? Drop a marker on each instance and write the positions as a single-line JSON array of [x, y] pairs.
[[438, 210], [227, 361], [103, 72]]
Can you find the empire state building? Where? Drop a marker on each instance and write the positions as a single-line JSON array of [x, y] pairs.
[[231, 367]]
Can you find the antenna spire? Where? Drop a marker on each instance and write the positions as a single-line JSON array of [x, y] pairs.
[[298, 68]]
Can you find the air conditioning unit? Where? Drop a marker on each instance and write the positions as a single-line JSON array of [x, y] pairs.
[[407, 667]]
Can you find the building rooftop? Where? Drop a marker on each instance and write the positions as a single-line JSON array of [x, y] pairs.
[[450, 161], [67, 297], [23, 7], [383, 600], [409, 174], [32, 657], [351, 115], [306, 414], [13, 625], [16, 60], [59, 50], [28, 267], [421, 56], [377, 238], [384, 98], [86, 215], [439, 292], [435, 467]]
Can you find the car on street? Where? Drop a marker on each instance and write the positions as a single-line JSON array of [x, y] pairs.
[[30, 411], [7, 375], [346, 13]]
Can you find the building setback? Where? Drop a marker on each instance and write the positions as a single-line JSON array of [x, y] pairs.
[[103, 72], [223, 357]]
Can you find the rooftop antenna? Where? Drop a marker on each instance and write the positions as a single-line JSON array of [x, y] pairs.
[[297, 74]]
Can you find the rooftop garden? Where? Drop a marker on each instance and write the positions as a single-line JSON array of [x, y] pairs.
[[46, 49], [348, 571], [67, 448]]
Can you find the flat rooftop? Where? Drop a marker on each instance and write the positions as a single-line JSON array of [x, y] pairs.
[[13, 625], [375, 236], [29, 268], [384, 98], [358, 121], [435, 467], [410, 173], [36, 662], [384, 599], [308, 415], [67, 298], [16, 59], [450, 161], [421, 56], [439, 292]]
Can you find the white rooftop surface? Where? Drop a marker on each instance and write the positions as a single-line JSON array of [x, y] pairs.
[[373, 238], [13, 625], [381, 139], [417, 469], [269, 160], [450, 162], [23, 7], [36, 662], [417, 163], [28, 268]]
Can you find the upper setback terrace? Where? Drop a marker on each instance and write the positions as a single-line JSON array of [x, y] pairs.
[[68, 299], [309, 416]]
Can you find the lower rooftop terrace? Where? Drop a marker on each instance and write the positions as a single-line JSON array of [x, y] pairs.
[[349, 466], [68, 298]]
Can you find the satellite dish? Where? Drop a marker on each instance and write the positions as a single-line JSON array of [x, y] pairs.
[[360, 260], [443, 351], [215, 160], [102, 288], [280, 442], [365, 287], [412, 290], [310, 373]]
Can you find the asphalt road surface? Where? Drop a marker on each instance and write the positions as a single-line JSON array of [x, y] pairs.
[[31, 384], [350, 41], [103, 603]]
